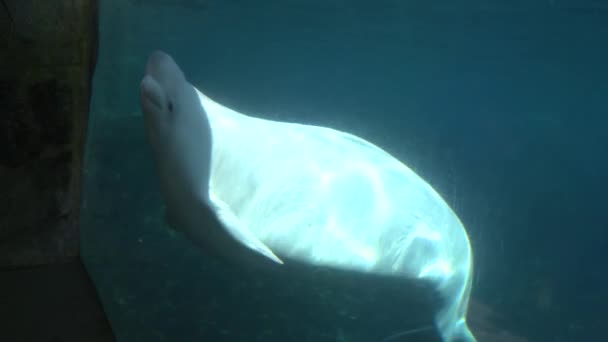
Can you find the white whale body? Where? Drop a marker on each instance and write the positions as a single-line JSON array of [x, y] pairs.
[[246, 187]]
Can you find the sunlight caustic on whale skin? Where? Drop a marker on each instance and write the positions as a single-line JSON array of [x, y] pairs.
[[298, 192]]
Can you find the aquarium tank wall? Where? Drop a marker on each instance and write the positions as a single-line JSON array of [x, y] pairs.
[[500, 106]]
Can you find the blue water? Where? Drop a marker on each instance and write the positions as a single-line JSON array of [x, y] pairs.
[[501, 106]]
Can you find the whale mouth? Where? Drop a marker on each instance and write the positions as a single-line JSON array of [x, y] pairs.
[[151, 93]]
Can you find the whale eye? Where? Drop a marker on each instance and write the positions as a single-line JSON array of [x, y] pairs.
[[170, 106]]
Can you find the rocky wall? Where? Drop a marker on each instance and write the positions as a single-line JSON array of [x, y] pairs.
[[47, 57]]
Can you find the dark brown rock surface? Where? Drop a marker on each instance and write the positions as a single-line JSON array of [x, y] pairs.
[[47, 54], [44, 96]]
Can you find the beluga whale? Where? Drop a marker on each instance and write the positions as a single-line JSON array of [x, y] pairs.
[[247, 188]]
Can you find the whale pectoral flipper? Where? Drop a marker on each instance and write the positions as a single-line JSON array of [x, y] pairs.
[[235, 228]]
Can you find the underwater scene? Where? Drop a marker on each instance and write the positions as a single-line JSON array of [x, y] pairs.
[[349, 171]]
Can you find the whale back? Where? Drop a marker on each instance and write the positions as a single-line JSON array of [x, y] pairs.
[[328, 198]]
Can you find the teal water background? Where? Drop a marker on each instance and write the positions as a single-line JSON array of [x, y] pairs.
[[501, 106]]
